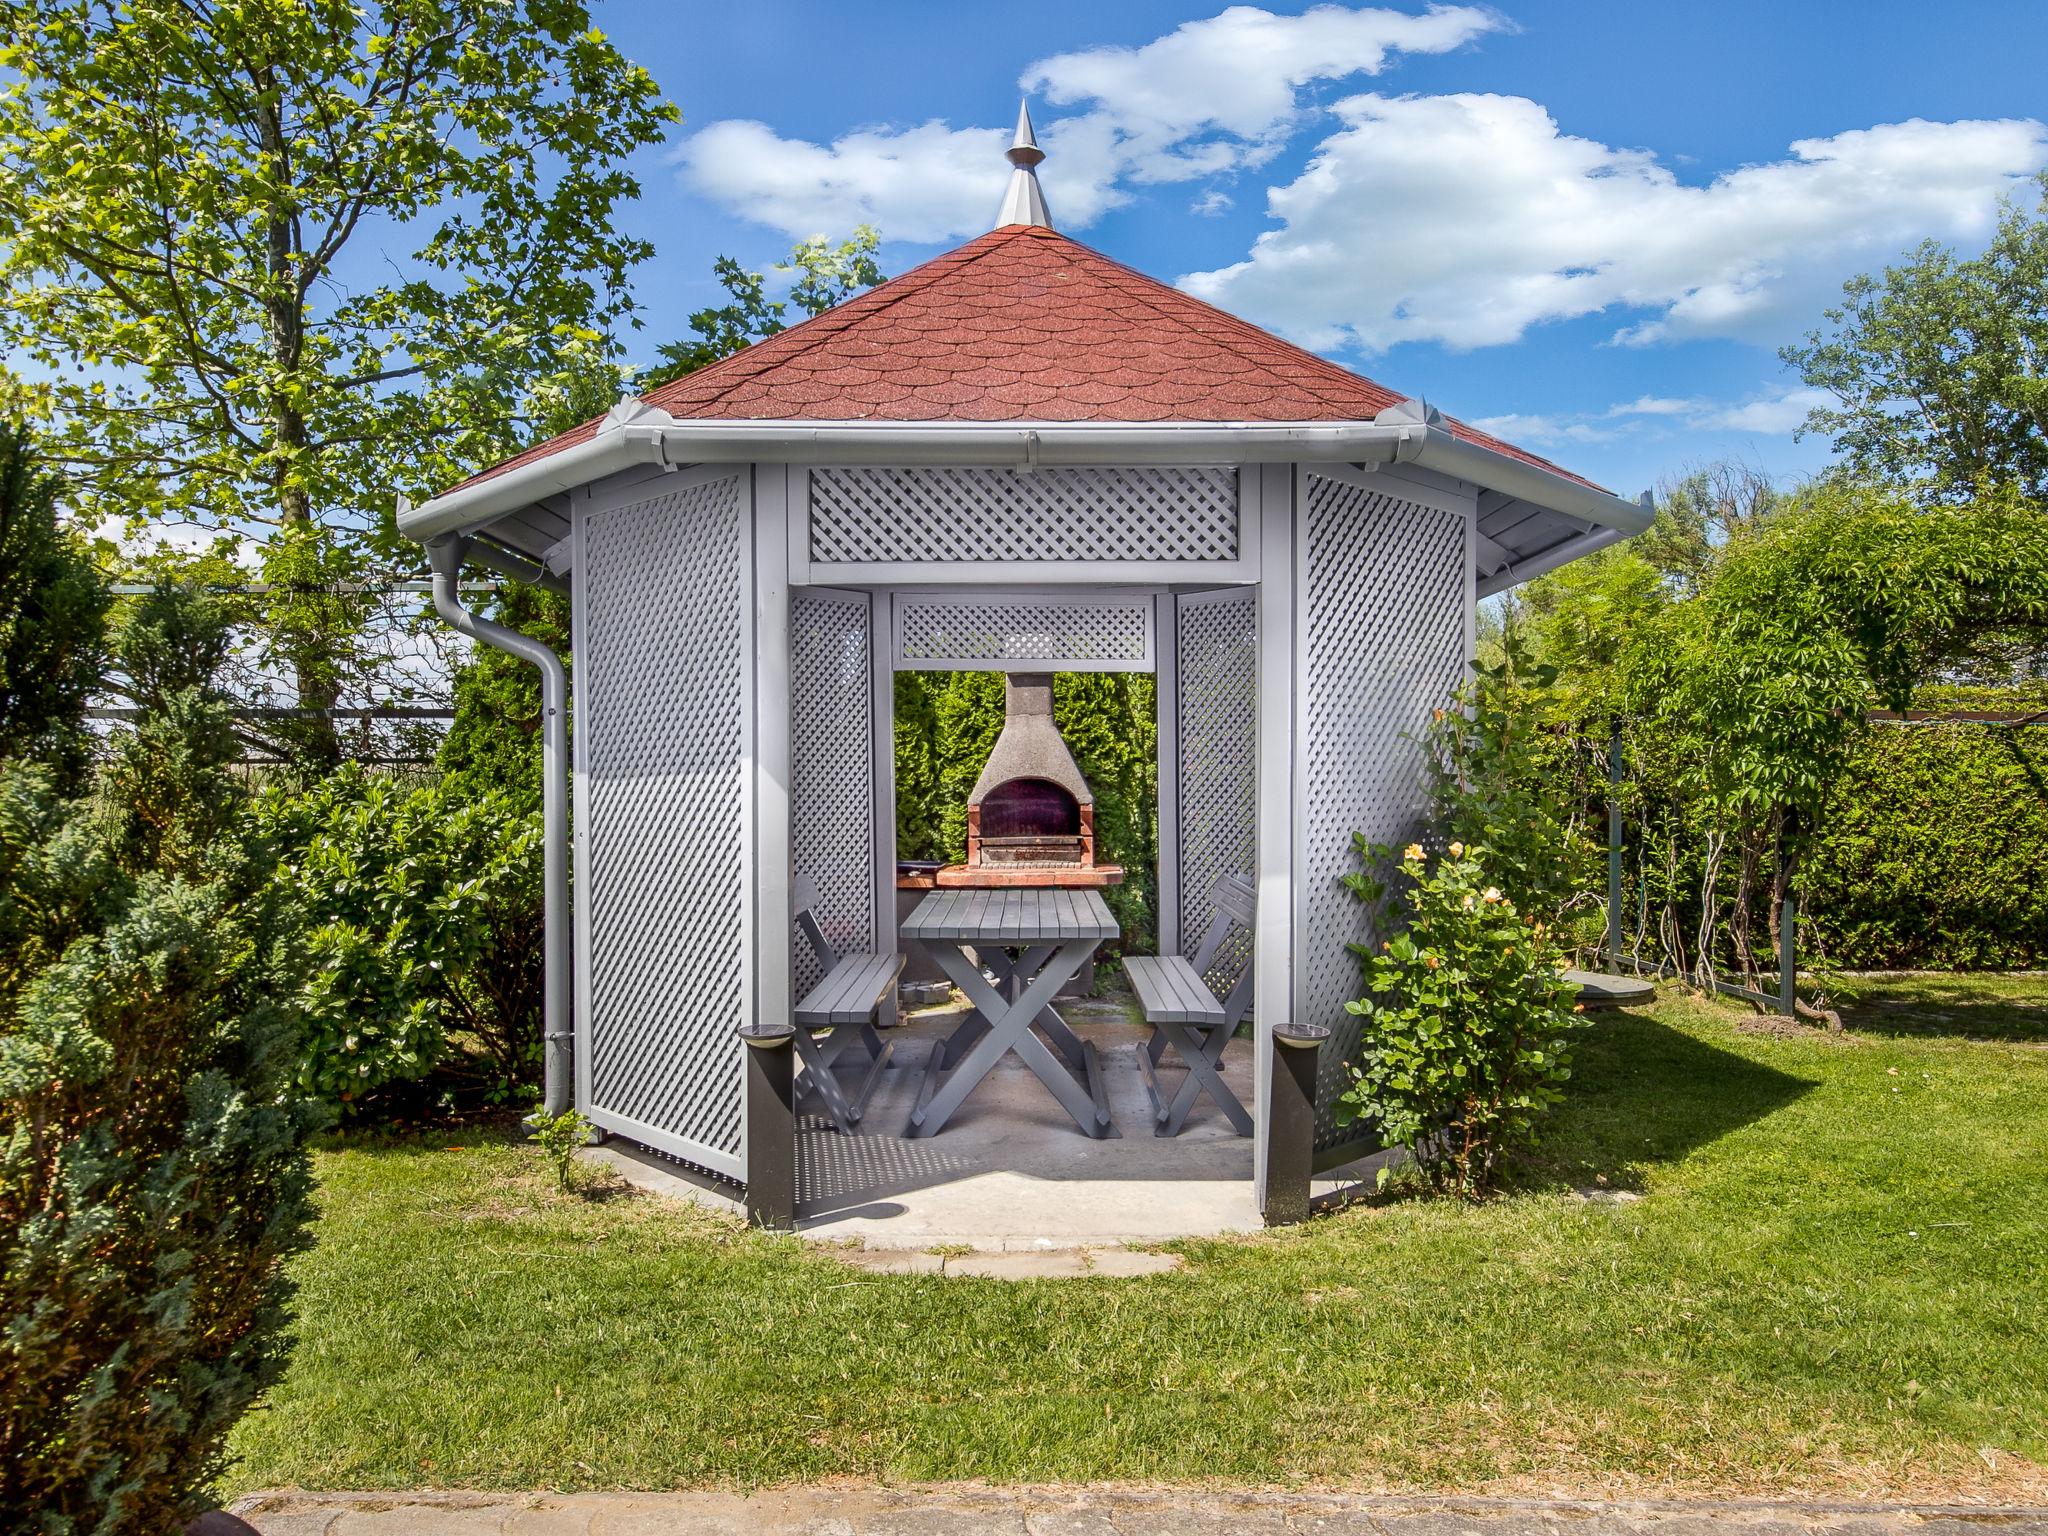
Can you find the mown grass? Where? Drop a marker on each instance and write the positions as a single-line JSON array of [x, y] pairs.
[[1833, 1284]]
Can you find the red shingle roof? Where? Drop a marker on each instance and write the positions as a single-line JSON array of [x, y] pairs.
[[1023, 324]]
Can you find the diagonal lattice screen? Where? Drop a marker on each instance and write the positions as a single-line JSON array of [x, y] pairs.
[[1217, 726], [1384, 608], [832, 769], [662, 693], [1168, 513], [1070, 633]]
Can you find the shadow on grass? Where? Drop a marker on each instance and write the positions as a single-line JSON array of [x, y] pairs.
[[1982, 1007], [1643, 1093]]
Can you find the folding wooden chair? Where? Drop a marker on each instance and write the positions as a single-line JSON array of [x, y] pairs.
[[842, 1008], [1186, 1015]]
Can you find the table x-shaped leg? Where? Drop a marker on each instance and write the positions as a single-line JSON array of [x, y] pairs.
[[1009, 1022]]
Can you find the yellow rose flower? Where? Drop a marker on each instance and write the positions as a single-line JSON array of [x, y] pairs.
[[1412, 852], [1457, 850]]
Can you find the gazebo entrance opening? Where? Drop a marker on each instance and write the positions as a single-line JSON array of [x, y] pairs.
[[1008, 1139]]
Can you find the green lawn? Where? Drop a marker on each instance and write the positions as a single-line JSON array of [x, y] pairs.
[[1834, 1283]]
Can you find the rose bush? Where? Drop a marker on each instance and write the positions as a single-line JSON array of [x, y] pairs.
[[1467, 1021]]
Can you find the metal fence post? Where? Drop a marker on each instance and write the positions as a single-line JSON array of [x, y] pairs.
[[1291, 1122], [1614, 771], [771, 1125], [1788, 928]]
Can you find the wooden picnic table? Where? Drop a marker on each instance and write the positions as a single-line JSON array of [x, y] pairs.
[[1032, 940]]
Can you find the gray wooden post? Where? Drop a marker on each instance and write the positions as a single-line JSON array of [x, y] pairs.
[[1291, 1123], [1614, 845], [771, 1125]]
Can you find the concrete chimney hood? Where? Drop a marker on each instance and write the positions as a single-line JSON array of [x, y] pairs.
[[1030, 746]]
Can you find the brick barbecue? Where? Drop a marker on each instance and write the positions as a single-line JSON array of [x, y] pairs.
[[1031, 815]]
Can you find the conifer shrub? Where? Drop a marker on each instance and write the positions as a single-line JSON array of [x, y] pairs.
[[153, 1177]]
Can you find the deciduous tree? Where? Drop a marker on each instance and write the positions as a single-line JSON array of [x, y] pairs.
[[285, 259]]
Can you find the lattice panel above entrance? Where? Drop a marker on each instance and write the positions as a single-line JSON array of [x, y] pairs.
[[1385, 610], [1174, 513], [1015, 632]]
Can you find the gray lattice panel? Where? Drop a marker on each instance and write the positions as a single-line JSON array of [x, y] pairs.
[[662, 684], [832, 769], [1001, 632], [1384, 605], [1217, 728], [861, 516]]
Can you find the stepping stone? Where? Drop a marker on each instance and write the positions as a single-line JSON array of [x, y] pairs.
[[1598, 990]]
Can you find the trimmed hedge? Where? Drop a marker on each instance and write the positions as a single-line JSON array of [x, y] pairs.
[[1933, 851]]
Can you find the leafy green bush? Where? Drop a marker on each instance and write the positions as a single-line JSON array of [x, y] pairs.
[[422, 913], [559, 1137], [1467, 1023], [152, 1171], [53, 611], [1503, 779]]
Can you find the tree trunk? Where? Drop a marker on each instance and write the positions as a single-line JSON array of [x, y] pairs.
[[313, 675]]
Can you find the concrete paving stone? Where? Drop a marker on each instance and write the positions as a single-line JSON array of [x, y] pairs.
[[1074, 1520], [1126, 1263], [413, 1520], [1044, 1264], [893, 1261], [834, 1511]]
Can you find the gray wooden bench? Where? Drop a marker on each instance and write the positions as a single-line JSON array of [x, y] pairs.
[[838, 1011], [1187, 1016]]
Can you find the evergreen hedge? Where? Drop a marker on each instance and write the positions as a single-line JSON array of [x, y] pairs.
[[1932, 851]]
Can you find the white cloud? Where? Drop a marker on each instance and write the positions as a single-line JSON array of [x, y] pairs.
[[922, 184], [1538, 430], [1211, 203], [1654, 405], [1210, 98], [1779, 414], [1225, 92], [1467, 219], [1773, 416]]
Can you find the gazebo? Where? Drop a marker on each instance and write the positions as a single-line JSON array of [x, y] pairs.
[[1020, 456]]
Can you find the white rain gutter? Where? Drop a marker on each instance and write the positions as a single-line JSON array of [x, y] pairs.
[[446, 555], [635, 434]]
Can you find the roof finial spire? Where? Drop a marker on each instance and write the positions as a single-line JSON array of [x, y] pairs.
[[1024, 202]]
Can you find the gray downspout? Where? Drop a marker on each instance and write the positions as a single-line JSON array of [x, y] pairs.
[[557, 1035]]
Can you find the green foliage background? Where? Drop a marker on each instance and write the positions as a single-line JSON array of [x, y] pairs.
[[1933, 851], [946, 722]]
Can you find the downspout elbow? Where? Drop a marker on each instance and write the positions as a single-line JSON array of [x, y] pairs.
[[444, 557]]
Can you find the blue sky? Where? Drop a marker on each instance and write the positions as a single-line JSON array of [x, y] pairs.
[[1587, 224]]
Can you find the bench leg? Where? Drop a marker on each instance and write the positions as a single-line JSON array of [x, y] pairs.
[[817, 1078]]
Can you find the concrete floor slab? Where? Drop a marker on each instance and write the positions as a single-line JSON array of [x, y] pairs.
[[1011, 1172]]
